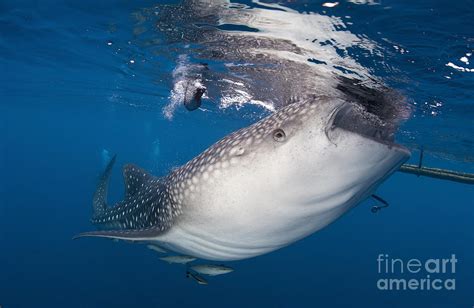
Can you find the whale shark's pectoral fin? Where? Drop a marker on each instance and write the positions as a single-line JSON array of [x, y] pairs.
[[140, 234], [99, 201], [134, 178]]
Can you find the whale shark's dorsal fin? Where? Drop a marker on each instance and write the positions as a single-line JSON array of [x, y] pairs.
[[99, 201], [134, 178]]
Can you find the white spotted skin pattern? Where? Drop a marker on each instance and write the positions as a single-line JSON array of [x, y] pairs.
[[148, 205], [253, 191]]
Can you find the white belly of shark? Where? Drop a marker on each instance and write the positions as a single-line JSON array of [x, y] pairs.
[[260, 188]]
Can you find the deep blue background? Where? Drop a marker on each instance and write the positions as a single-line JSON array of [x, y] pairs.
[[65, 97]]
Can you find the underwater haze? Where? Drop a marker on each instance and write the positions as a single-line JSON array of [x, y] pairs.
[[83, 81]]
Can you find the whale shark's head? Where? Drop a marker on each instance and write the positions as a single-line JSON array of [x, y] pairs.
[[323, 141]]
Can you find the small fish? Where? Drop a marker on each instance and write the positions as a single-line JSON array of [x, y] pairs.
[[211, 269], [156, 248], [330, 4], [178, 259], [196, 277]]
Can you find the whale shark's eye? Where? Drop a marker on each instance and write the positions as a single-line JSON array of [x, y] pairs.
[[279, 135]]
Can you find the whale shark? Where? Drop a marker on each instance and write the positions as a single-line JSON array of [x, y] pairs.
[[327, 144], [259, 188]]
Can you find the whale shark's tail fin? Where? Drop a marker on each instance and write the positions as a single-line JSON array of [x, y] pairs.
[[99, 202], [148, 208]]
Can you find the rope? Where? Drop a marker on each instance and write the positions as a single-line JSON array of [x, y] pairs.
[[443, 174]]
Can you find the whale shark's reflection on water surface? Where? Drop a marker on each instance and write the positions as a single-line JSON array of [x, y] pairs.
[[263, 54]]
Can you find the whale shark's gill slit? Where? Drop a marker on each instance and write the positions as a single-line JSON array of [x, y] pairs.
[[99, 200]]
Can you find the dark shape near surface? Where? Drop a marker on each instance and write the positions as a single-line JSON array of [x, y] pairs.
[[193, 96]]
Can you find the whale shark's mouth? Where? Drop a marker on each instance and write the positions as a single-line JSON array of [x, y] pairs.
[[355, 118], [372, 112]]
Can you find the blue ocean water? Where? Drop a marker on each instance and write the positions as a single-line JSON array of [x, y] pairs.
[[82, 81]]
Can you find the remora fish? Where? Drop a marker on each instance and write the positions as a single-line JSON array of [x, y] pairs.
[[211, 269], [178, 259], [196, 277], [156, 248], [260, 188]]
